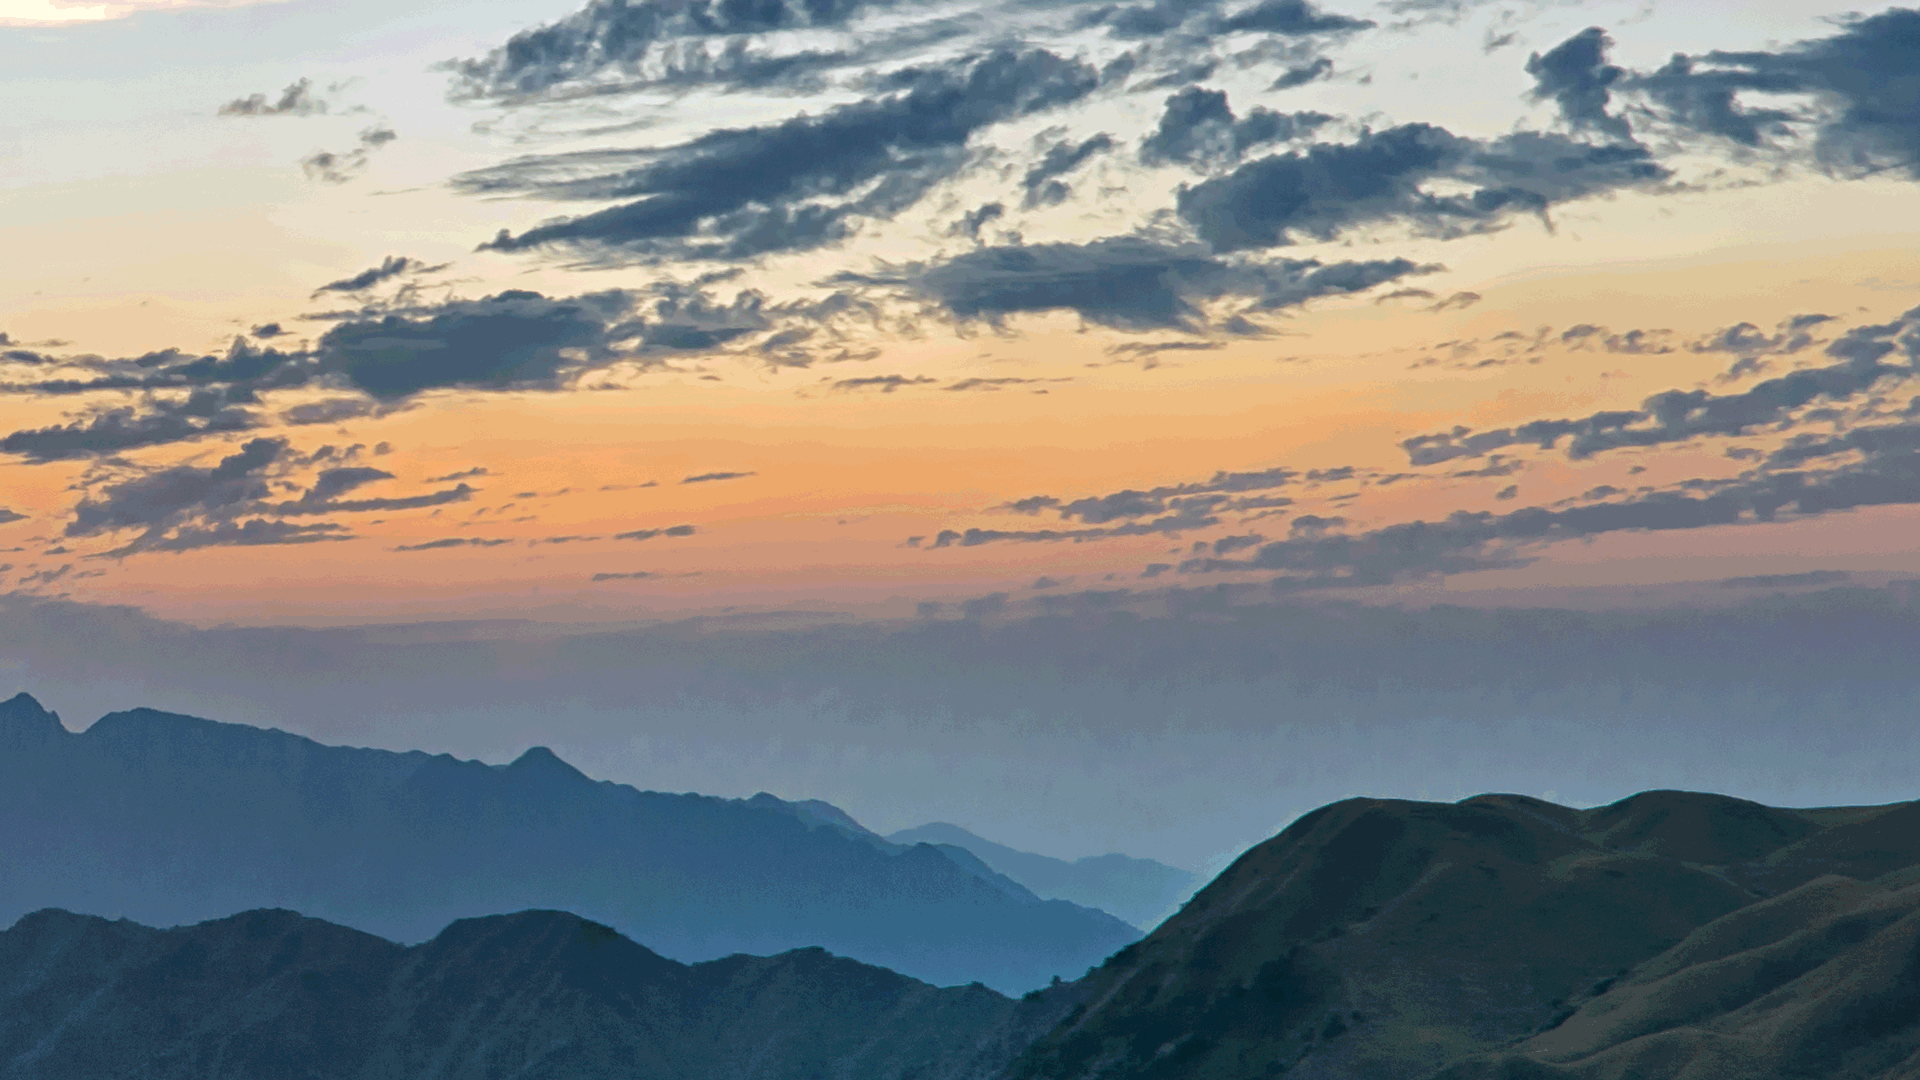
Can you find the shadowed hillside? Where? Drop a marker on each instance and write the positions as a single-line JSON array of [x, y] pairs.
[[1391, 939], [169, 820], [538, 995]]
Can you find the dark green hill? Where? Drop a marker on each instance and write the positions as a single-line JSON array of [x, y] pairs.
[[540, 995], [1390, 939]]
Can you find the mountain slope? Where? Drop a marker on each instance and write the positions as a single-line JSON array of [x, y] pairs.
[[534, 995], [1391, 939], [1823, 980], [169, 820], [1141, 891]]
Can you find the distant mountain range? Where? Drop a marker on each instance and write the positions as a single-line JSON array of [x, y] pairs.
[[170, 820], [1668, 936], [541, 995], [1141, 891]]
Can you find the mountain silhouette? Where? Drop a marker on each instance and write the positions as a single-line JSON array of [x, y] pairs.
[[1141, 891], [539, 995], [1669, 936], [170, 820]]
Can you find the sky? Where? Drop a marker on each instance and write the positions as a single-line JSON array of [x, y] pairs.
[[1027, 344]]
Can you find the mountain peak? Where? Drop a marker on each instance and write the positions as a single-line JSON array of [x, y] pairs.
[[22, 714], [539, 760]]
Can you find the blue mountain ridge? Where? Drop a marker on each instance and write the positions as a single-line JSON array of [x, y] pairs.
[[171, 820]]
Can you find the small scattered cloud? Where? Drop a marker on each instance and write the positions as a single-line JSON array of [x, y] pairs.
[[338, 168], [451, 542], [648, 534], [296, 100]]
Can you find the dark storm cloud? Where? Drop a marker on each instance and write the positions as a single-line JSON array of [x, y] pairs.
[[616, 36], [1127, 283], [1199, 127], [1858, 365], [1331, 188], [799, 184], [1575, 75], [1042, 181], [391, 267], [1861, 107], [296, 100]]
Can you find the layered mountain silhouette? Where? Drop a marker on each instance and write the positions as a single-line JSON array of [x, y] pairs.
[[170, 820], [1141, 891], [1669, 936], [538, 995]]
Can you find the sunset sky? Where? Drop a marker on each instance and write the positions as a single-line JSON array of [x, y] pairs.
[[337, 314]]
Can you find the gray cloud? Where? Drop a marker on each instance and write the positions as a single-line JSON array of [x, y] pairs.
[[512, 340], [1468, 541], [204, 412], [1160, 17], [1168, 509], [1331, 188], [648, 534], [1128, 283], [338, 168], [709, 477], [9, 516], [452, 542], [255, 532], [1199, 127], [1862, 106], [886, 384], [795, 185], [296, 100], [1575, 75], [1042, 181], [185, 507], [1678, 415], [618, 36], [390, 267], [636, 575]]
